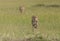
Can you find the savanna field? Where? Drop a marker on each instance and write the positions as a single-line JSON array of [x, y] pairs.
[[14, 24]]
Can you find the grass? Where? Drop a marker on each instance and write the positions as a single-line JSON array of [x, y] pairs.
[[14, 24]]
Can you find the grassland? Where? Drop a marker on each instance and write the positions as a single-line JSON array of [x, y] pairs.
[[14, 24]]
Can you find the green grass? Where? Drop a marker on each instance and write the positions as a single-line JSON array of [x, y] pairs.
[[15, 24]]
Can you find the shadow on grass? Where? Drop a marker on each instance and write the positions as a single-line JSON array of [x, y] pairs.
[[44, 5]]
